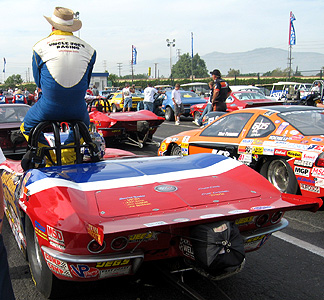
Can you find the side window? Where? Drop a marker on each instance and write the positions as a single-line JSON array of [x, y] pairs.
[[261, 127], [228, 126]]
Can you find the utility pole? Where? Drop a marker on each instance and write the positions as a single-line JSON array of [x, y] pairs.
[[119, 68], [155, 68]]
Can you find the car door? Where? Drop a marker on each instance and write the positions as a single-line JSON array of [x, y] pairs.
[[223, 136]]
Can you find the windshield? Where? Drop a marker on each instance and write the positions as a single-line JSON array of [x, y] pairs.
[[248, 96], [309, 122], [12, 114]]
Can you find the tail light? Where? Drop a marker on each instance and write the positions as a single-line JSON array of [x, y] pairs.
[[320, 160], [262, 220], [95, 247]]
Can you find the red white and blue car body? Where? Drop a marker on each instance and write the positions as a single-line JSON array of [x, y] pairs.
[[92, 221]]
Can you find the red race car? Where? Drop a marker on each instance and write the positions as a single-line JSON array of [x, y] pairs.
[[237, 100], [92, 221], [135, 128]]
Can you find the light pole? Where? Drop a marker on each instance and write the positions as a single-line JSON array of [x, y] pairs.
[[170, 44]]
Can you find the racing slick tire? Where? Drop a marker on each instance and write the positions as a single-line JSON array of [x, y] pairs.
[[114, 108], [196, 116], [175, 150], [42, 276], [169, 114], [281, 175]]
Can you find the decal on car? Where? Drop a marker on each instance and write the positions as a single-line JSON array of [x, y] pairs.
[[186, 248], [113, 263], [302, 171], [318, 172], [303, 163], [113, 272], [310, 188], [294, 154], [56, 265]]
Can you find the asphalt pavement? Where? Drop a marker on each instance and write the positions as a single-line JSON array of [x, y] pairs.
[[290, 266]]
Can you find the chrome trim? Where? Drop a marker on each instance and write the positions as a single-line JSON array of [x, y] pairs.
[[266, 230], [89, 259]]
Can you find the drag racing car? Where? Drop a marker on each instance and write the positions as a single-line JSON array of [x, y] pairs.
[[98, 219], [134, 128], [284, 143]]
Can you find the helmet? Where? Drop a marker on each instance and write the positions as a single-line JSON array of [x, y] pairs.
[[100, 142]]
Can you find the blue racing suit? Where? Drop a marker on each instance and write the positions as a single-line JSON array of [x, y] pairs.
[[62, 67]]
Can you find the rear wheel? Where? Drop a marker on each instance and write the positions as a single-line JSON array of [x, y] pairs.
[[43, 278], [175, 150], [169, 114], [281, 175]]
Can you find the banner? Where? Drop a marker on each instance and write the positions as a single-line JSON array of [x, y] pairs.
[[134, 55], [292, 34], [4, 65]]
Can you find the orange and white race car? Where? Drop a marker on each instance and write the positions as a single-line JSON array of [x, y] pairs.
[[283, 143]]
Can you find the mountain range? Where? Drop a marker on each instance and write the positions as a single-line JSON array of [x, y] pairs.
[[259, 60]]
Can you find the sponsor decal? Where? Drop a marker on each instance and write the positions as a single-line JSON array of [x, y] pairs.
[[296, 137], [255, 242], [96, 232], [221, 152], [247, 220], [317, 139], [257, 142], [241, 149], [58, 266], [238, 211], [318, 172], [309, 156], [184, 149], [269, 113], [304, 142], [277, 121], [261, 207], [278, 138], [166, 188], [302, 171], [245, 158], [40, 230], [113, 263], [268, 151], [280, 152], [186, 139], [139, 237], [257, 150], [304, 179], [294, 154], [247, 141], [310, 188], [215, 193], [163, 147], [281, 127], [84, 271], [186, 248], [211, 216], [181, 220], [114, 272], [55, 235], [135, 201], [303, 163], [158, 223], [315, 147], [319, 182], [294, 132]]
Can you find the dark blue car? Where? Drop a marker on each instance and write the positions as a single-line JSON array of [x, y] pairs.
[[188, 99]]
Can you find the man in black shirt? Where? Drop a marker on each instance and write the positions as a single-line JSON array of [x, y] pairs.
[[221, 91]]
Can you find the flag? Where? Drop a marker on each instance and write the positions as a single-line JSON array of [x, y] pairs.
[[292, 34], [134, 55], [4, 65]]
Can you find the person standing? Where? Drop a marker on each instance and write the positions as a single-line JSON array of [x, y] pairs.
[[149, 93], [3, 98], [178, 105], [62, 68], [127, 97], [6, 291], [221, 91], [95, 91], [19, 97]]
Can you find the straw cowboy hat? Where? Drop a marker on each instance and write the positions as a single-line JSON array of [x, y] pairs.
[[62, 19]]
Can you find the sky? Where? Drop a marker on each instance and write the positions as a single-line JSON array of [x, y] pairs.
[[112, 27]]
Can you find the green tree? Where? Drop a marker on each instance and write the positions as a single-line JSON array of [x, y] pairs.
[[233, 73], [182, 69], [13, 80]]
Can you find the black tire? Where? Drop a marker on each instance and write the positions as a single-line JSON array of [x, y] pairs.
[[175, 150], [196, 116], [281, 175], [43, 278], [114, 108], [169, 114]]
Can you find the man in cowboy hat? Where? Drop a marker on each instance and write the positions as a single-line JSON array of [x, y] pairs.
[[62, 67]]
